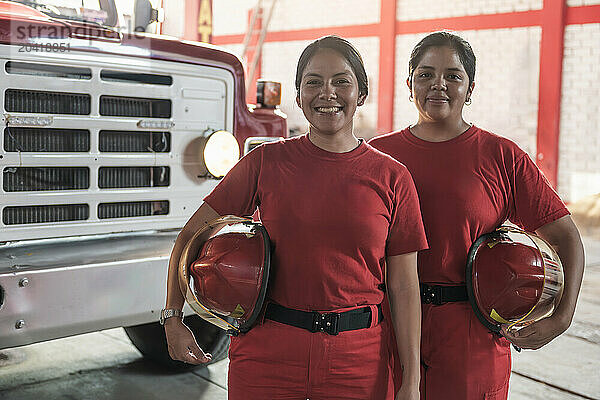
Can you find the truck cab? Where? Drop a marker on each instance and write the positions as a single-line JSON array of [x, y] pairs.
[[110, 140]]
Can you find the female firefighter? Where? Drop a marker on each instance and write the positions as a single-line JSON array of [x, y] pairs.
[[469, 182], [344, 221]]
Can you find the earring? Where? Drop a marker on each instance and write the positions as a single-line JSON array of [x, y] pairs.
[[410, 98], [468, 102]]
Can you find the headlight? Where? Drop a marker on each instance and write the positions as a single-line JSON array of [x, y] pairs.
[[268, 93], [221, 152]]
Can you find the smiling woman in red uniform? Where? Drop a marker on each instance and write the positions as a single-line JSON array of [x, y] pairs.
[[337, 212], [469, 182]]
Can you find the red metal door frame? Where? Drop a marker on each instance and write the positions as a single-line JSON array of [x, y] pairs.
[[387, 66], [550, 86]]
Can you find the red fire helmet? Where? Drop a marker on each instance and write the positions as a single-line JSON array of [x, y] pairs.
[[224, 272], [513, 277]]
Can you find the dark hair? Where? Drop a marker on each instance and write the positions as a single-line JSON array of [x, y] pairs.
[[347, 51], [440, 39]]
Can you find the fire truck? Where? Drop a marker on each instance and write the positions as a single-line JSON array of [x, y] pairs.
[[110, 141]]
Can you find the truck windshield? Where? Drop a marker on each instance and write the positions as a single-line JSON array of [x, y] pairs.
[[101, 12]]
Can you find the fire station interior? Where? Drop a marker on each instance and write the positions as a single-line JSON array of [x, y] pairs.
[[120, 116]]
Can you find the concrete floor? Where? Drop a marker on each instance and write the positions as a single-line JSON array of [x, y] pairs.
[[104, 365]]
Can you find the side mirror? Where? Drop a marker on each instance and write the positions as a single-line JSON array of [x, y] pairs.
[[111, 9], [268, 93], [144, 14]]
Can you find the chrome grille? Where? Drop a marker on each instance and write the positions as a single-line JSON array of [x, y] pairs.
[[133, 209], [34, 101], [43, 214], [132, 177], [48, 70], [135, 77], [135, 107], [90, 147], [46, 140], [21, 179], [134, 142]]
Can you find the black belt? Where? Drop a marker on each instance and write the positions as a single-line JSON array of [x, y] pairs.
[[331, 323], [439, 295]]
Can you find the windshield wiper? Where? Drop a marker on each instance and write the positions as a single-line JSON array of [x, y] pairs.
[[46, 10], [71, 18]]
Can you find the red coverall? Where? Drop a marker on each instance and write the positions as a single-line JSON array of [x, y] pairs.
[[332, 219], [467, 186]]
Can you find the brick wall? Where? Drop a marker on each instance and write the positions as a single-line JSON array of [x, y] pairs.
[[307, 14], [405, 112], [428, 9], [174, 24], [279, 64], [579, 157], [505, 100], [293, 14], [575, 3], [230, 16]]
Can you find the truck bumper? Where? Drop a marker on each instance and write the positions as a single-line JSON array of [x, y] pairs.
[[61, 287]]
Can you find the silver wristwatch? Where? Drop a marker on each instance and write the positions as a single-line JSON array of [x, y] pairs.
[[168, 313]]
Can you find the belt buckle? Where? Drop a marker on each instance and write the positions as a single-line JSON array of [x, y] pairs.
[[326, 322], [432, 295]]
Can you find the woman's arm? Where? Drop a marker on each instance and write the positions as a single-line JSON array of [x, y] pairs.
[[181, 342], [405, 304], [563, 235]]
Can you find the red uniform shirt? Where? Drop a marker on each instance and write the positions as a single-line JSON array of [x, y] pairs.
[[468, 186], [332, 218]]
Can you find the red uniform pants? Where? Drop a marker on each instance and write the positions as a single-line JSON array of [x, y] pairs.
[[460, 358], [277, 361]]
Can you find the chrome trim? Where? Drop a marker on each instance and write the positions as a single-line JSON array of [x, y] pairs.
[[254, 141]]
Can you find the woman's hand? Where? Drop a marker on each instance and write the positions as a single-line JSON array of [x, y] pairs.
[[182, 344], [408, 392], [537, 334], [563, 235], [180, 340]]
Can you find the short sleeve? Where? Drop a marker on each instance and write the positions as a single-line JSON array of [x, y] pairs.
[[237, 193], [406, 233], [535, 203]]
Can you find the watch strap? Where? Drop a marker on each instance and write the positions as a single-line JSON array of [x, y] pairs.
[[168, 313]]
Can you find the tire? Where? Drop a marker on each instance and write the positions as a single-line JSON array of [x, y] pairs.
[[150, 340]]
